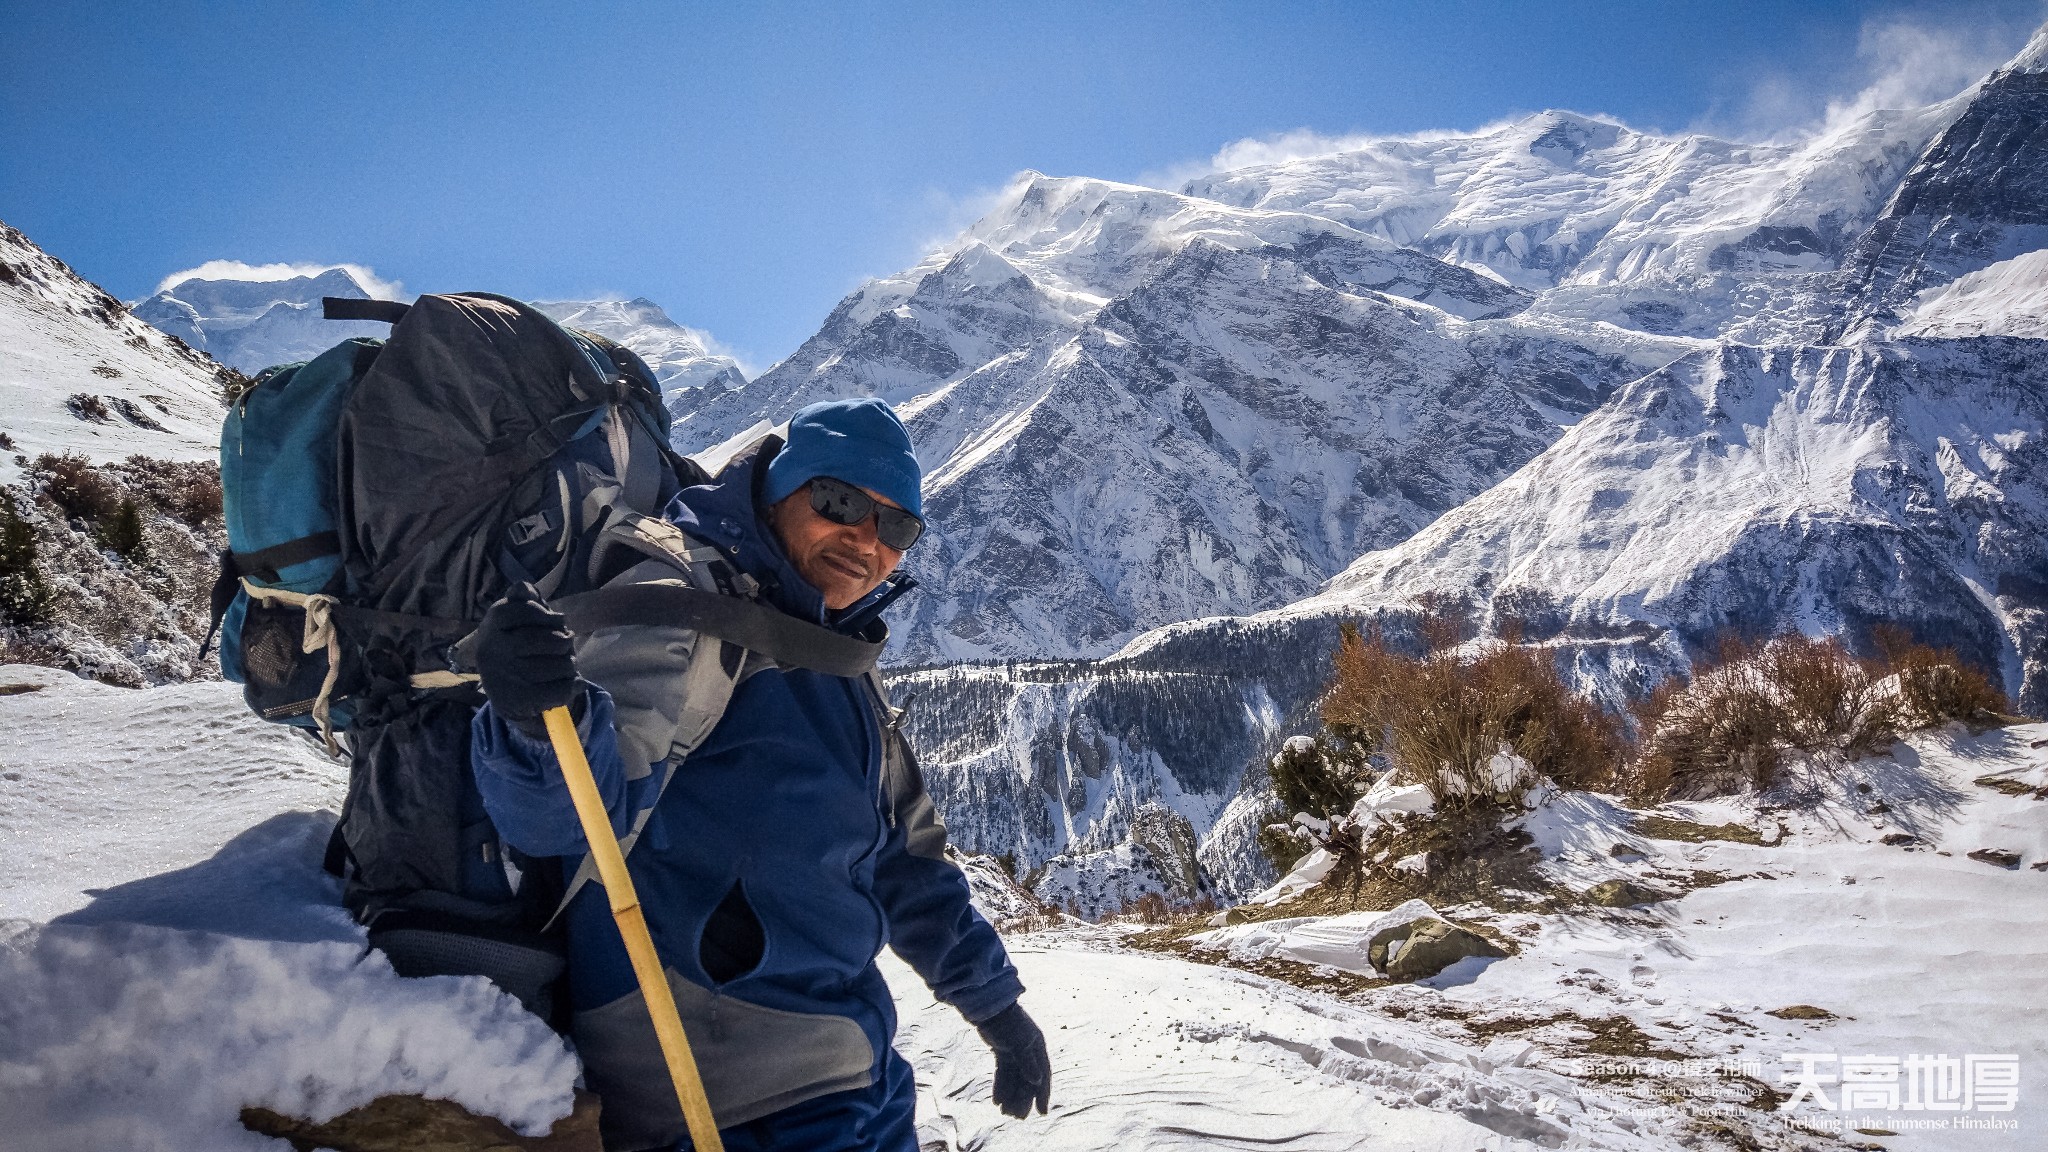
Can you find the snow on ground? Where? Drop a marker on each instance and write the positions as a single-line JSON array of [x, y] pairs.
[[170, 952], [1914, 948], [1151, 1051]]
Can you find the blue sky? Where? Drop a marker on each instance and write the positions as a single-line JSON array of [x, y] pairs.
[[746, 165]]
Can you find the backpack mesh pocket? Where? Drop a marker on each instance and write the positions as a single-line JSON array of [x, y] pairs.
[[282, 681]]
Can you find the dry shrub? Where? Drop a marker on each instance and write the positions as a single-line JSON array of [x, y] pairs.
[[188, 490], [1935, 685], [1829, 697], [1750, 704], [1149, 908], [1719, 733], [75, 485], [1441, 718]]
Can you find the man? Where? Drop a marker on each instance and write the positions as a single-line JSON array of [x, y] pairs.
[[787, 846]]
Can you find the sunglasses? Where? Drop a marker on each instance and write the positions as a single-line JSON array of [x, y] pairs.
[[842, 503]]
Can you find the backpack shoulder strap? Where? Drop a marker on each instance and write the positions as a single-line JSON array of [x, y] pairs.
[[910, 807]]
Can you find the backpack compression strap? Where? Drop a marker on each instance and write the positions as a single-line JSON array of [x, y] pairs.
[[347, 308], [755, 627]]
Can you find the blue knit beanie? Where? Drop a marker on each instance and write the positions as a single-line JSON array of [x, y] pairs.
[[858, 441]]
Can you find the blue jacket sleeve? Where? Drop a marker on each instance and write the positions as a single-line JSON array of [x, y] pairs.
[[934, 928], [522, 786]]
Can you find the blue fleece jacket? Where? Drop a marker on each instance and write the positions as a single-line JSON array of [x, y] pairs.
[[784, 799]]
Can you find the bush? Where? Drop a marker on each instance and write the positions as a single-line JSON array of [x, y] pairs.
[[24, 596], [1750, 704], [76, 486], [1441, 719], [188, 490], [1935, 685], [1317, 776], [121, 532]]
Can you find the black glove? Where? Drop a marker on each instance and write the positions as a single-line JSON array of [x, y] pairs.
[[527, 660], [1023, 1070]]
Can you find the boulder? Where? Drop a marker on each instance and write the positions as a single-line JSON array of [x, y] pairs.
[[1622, 894], [1425, 946], [1996, 857]]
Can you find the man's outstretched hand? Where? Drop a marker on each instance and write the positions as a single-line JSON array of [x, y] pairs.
[[1023, 1070], [527, 659]]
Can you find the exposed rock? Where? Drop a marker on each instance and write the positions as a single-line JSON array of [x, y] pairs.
[[2001, 857], [417, 1124], [1622, 894], [1425, 946], [1801, 1012]]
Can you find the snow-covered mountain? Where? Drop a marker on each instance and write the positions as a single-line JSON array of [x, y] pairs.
[[680, 357], [1136, 407], [253, 324], [1767, 478], [79, 374]]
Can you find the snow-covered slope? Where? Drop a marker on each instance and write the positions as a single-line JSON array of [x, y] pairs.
[[1754, 490], [171, 952], [680, 357], [253, 324], [2009, 298], [65, 344], [1864, 906]]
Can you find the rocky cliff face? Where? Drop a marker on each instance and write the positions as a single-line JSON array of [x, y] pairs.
[[1976, 197]]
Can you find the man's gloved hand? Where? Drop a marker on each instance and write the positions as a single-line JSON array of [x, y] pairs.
[[1023, 1070], [527, 660]]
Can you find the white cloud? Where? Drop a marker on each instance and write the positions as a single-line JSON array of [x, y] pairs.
[[1283, 147], [945, 216], [1901, 62], [372, 283]]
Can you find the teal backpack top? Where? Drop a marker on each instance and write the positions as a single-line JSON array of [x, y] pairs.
[[277, 462]]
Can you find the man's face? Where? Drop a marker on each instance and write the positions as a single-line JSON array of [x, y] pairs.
[[843, 561]]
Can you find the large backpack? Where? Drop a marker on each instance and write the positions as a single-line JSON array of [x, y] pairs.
[[378, 499]]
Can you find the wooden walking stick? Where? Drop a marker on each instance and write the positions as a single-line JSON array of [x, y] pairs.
[[618, 886]]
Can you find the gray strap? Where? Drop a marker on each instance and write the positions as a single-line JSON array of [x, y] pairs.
[[755, 627], [708, 685]]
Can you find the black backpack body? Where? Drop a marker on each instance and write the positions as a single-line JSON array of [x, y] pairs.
[[482, 445]]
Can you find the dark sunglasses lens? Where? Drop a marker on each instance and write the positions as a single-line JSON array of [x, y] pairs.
[[840, 503], [898, 529]]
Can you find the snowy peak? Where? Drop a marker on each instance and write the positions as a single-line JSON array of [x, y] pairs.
[[2032, 58], [232, 301], [79, 373], [681, 357], [253, 324], [1567, 138]]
